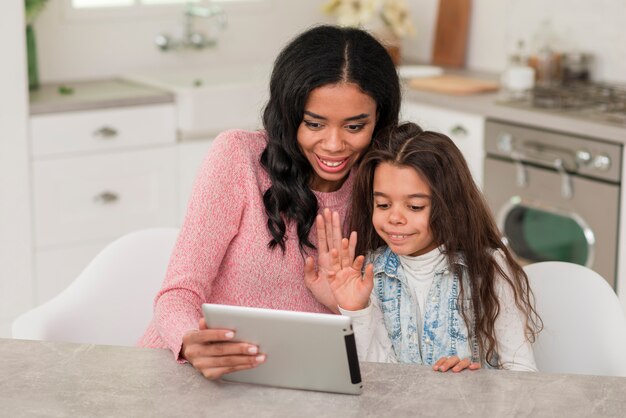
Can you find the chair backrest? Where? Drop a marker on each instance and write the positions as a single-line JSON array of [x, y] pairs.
[[110, 302], [584, 323]]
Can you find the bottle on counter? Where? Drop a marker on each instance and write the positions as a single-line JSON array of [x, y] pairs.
[[545, 60], [518, 78]]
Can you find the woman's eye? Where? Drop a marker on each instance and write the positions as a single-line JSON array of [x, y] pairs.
[[355, 127], [381, 205], [312, 125]]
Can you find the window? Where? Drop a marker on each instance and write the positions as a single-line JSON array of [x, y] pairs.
[[78, 10], [86, 4]]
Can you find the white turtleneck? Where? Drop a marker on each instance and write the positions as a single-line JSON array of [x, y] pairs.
[[373, 343], [420, 272]]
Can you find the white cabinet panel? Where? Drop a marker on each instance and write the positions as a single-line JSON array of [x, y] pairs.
[[104, 196], [466, 130], [102, 130]]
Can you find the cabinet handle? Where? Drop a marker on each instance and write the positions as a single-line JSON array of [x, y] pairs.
[[106, 198], [458, 131], [106, 132]]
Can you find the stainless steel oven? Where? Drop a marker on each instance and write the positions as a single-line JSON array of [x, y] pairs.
[[555, 196]]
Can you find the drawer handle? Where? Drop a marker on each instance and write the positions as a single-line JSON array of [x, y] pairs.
[[106, 198], [458, 130], [105, 132]]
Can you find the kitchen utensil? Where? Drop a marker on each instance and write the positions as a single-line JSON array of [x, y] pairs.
[[451, 33], [453, 84]]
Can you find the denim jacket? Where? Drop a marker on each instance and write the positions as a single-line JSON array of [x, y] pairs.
[[444, 332]]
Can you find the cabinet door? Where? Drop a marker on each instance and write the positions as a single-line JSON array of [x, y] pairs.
[[466, 130], [58, 134], [97, 197]]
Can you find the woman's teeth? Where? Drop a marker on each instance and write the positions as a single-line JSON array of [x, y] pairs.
[[332, 163]]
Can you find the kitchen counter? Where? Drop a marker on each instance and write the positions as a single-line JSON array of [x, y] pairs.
[[96, 94], [63, 379], [487, 105]]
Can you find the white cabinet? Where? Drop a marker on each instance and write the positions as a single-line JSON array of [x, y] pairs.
[[98, 175], [465, 129]]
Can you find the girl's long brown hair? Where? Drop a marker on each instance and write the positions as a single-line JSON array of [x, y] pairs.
[[460, 221]]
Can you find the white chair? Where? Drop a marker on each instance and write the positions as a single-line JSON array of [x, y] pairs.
[[110, 302], [584, 323]]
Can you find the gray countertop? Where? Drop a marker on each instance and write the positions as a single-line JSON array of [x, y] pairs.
[[488, 105], [95, 94], [63, 379], [99, 94]]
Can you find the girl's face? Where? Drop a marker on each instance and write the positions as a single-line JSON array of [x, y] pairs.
[[402, 204], [337, 127]]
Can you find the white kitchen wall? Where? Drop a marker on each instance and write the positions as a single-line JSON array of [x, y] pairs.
[[94, 48], [15, 232], [596, 26], [71, 48]]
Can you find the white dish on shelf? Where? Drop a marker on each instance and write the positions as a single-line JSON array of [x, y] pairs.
[[418, 71]]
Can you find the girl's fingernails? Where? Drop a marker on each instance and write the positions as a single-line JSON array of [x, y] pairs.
[[229, 334]]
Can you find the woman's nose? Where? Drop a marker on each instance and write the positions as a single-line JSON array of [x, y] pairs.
[[333, 141]]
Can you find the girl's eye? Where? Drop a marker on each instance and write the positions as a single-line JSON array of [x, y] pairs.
[[356, 127], [416, 208], [312, 125]]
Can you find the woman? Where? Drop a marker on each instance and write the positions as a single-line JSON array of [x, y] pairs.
[[249, 222]]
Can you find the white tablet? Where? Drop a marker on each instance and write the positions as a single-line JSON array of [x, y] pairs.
[[303, 350]]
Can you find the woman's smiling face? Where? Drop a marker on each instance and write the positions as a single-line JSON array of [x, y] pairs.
[[336, 129]]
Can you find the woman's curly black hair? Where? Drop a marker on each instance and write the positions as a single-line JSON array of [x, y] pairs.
[[322, 55]]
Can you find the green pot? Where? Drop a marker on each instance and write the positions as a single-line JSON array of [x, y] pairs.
[[31, 50]]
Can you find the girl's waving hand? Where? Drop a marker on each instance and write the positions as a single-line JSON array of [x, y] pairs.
[[349, 283]]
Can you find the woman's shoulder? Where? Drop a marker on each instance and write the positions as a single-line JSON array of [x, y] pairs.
[[239, 142]]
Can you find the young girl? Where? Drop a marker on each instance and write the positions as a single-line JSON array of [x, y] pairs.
[[439, 286]]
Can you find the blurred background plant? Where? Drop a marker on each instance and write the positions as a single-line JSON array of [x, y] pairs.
[[32, 8], [371, 14]]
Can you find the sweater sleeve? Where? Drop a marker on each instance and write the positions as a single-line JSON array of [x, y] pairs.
[[212, 220], [372, 340], [514, 350]]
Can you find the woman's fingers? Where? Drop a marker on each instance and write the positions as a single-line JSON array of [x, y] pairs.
[[309, 271], [346, 261], [337, 233], [322, 242], [328, 228], [352, 245]]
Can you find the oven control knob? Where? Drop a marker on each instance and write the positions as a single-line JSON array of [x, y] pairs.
[[583, 157], [602, 162], [505, 142]]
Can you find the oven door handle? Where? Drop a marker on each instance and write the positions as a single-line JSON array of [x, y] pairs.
[[521, 179]]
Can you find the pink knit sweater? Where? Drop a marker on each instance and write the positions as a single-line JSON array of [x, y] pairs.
[[221, 255]]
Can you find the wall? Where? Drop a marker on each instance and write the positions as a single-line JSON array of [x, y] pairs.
[[72, 49], [496, 25], [15, 230]]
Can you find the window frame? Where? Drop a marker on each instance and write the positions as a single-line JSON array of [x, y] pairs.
[[138, 11]]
